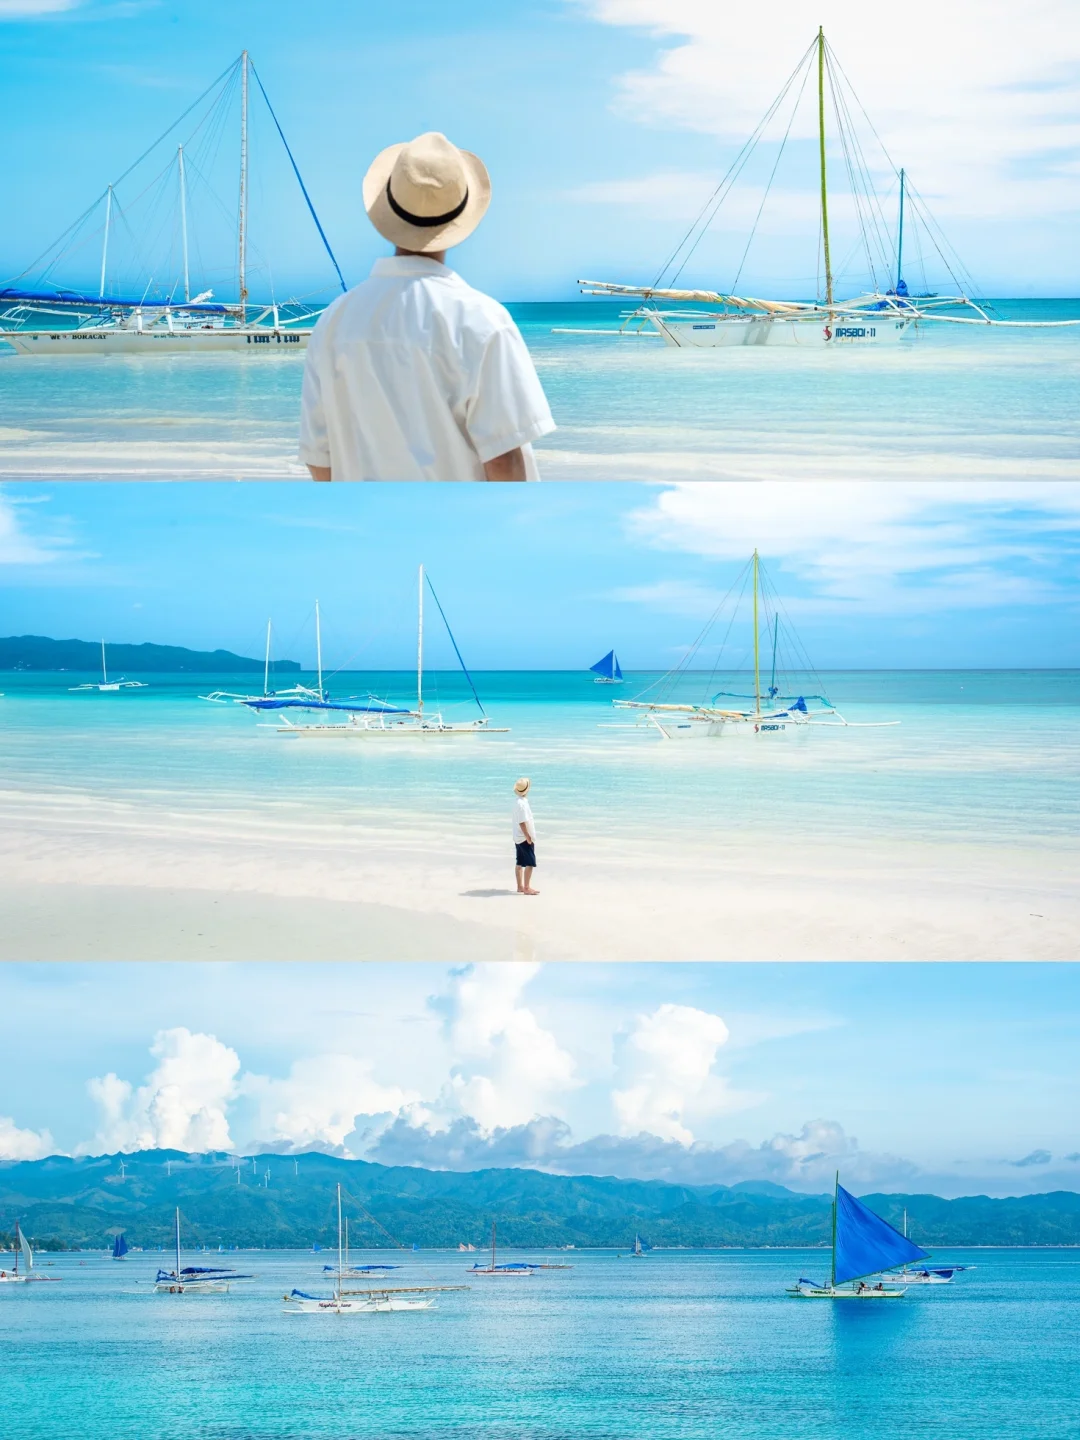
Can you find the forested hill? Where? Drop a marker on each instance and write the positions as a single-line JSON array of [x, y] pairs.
[[37, 652], [279, 1201]]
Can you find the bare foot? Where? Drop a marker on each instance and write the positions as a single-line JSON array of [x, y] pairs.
[[521, 890], [530, 892]]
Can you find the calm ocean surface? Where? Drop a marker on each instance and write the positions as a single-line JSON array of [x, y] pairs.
[[956, 402], [689, 1345], [978, 757]]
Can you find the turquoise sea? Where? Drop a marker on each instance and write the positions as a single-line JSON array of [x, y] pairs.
[[978, 758], [684, 1345], [953, 403]]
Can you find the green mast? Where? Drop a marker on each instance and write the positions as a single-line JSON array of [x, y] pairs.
[[757, 644], [836, 1197], [821, 153]]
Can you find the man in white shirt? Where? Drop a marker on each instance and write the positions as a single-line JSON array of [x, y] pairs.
[[524, 839], [413, 374]]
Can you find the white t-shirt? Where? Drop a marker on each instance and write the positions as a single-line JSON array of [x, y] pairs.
[[523, 816], [414, 375]]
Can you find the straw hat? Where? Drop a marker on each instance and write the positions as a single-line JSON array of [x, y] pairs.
[[521, 787], [427, 194]]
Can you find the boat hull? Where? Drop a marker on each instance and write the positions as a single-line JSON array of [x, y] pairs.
[[346, 1307], [689, 728], [366, 732], [812, 1292], [106, 340], [739, 330]]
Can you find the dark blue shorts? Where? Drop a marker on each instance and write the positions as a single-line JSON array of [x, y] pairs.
[[526, 856]]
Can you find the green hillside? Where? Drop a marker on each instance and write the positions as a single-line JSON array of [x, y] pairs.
[[279, 1201], [37, 652]]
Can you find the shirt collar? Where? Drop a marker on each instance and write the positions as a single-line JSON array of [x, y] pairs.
[[408, 265]]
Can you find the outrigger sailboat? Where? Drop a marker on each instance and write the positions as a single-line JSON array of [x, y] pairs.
[[195, 1279], [863, 1245], [606, 670], [924, 1276], [884, 313], [374, 717], [768, 711], [105, 686], [165, 318], [294, 692], [508, 1269], [370, 1301]]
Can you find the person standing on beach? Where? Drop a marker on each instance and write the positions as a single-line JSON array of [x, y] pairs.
[[524, 839], [413, 374]]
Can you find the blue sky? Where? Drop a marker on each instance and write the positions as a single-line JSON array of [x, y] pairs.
[[549, 576], [605, 123], [956, 1078]]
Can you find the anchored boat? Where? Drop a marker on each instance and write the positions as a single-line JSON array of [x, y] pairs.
[[769, 710], [883, 313], [195, 1279], [105, 686], [163, 317], [863, 1246], [26, 1275]]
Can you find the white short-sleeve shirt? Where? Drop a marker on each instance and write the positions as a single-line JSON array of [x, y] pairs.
[[523, 816], [414, 375]]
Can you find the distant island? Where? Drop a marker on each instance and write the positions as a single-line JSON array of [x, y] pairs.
[[285, 1201], [38, 652]]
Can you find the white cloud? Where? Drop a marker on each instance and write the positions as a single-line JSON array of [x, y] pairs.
[[16, 1144], [990, 93], [892, 547], [17, 545], [664, 1069], [182, 1105], [318, 1102], [506, 1067]]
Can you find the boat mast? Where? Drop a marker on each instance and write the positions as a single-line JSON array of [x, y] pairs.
[[18, 1247], [318, 649], [836, 1197], [420, 656], [775, 636], [178, 1244], [266, 666], [183, 220], [339, 1238], [104, 675], [493, 1244], [242, 231], [757, 644], [821, 153], [900, 239], [105, 241]]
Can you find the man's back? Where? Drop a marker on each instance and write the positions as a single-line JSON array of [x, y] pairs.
[[414, 375]]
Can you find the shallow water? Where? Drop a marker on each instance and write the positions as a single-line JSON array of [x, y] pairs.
[[689, 1345], [979, 757], [953, 403]]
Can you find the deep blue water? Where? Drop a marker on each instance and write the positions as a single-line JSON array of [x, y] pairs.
[[679, 1346]]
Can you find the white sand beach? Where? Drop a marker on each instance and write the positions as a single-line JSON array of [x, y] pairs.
[[145, 882]]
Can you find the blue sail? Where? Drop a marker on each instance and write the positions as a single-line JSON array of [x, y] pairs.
[[120, 1247], [608, 667], [866, 1244]]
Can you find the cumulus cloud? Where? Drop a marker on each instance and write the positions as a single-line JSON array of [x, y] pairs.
[[664, 1068], [317, 1104], [507, 1067], [803, 1161], [181, 1105], [892, 548], [16, 1144]]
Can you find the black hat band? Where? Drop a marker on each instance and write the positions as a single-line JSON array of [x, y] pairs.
[[426, 222]]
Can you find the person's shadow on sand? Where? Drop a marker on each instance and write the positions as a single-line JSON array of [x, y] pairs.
[[486, 894]]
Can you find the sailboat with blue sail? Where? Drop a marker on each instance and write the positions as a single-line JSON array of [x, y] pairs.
[[607, 670], [120, 1246], [863, 1246]]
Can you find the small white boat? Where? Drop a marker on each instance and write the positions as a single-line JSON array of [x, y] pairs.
[[26, 1275], [937, 1276], [293, 692], [864, 1246], [373, 1300], [370, 717], [508, 1270], [195, 1279], [105, 686], [165, 319], [767, 711]]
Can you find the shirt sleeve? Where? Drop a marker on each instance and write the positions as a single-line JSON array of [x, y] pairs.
[[509, 407], [314, 441]]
